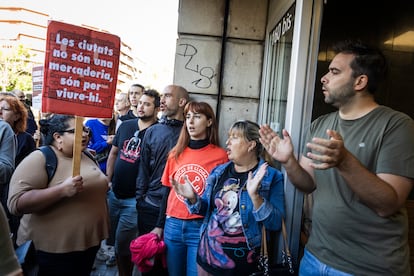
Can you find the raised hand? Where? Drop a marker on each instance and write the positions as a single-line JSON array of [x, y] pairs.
[[280, 149], [186, 189], [253, 183]]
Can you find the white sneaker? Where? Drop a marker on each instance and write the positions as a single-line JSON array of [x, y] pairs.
[[102, 255], [111, 261]]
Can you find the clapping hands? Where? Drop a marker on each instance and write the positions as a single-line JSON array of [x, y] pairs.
[[253, 183], [281, 149]]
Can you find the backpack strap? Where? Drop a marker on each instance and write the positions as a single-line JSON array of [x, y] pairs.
[[51, 161], [89, 154]]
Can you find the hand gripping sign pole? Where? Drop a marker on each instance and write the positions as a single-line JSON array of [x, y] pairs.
[[80, 76]]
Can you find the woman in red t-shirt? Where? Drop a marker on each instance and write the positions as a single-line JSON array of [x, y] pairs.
[[196, 153]]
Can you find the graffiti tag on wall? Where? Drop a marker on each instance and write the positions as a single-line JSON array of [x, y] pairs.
[[206, 74]]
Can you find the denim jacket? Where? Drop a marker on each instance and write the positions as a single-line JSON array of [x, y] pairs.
[[269, 213]]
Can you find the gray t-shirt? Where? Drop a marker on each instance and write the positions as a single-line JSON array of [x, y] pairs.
[[346, 234], [8, 149]]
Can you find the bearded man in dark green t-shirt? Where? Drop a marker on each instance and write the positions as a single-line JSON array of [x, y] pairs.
[[358, 164]]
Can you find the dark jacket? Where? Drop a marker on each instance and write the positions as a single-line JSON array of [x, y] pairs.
[[130, 115], [158, 141]]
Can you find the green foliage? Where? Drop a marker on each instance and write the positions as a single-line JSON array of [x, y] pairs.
[[15, 68]]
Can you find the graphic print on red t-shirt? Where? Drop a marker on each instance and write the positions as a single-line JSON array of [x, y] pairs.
[[197, 176]]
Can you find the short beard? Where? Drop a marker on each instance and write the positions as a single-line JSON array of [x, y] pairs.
[[341, 95], [146, 118]]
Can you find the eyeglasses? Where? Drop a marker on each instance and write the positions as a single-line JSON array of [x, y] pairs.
[[5, 108], [85, 130]]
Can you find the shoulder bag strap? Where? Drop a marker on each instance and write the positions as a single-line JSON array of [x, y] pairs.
[[287, 258]]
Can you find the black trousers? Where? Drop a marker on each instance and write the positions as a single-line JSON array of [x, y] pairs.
[[147, 219], [68, 264]]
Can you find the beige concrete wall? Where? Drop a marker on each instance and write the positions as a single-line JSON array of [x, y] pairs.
[[197, 63], [201, 17], [233, 92]]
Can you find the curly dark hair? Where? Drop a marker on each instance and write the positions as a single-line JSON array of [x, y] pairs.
[[55, 123]]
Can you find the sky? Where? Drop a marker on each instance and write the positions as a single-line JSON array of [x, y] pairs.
[[148, 26]]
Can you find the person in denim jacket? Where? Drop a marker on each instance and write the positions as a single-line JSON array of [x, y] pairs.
[[241, 196]]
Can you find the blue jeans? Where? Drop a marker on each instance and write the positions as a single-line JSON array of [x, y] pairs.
[[310, 265], [181, 238], [123, 216]]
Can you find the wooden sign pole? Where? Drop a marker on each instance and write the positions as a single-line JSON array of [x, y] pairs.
[[39, 117], [77, 146]]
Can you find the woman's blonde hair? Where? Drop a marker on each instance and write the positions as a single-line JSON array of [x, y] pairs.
[[250, 131]]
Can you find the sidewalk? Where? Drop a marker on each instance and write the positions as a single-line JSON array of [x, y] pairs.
[[103, 270]]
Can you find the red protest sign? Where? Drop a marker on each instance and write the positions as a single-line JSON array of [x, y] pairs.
[[80, 72]]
